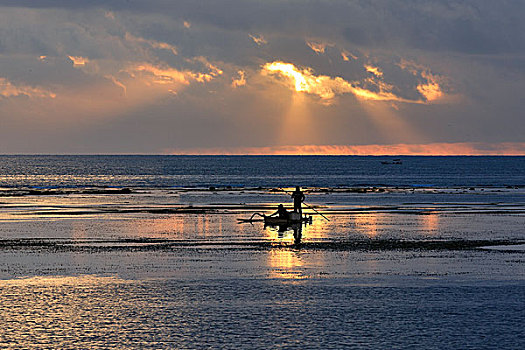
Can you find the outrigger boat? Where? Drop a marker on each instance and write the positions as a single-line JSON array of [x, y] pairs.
[[284, 217]]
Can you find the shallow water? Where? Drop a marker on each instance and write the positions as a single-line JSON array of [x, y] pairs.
[[257, 313], [391, 271], [433, 267]]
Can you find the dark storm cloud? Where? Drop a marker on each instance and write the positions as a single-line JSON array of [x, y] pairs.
[[473, 27]]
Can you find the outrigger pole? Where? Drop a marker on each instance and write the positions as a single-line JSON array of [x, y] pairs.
[[309, 206]]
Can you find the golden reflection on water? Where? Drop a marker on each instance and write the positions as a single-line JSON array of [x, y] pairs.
[[366, 224], [179, 226], [319, 228], [170, 224], [430, 222], [285, 264], [59, 312], [46, 281]]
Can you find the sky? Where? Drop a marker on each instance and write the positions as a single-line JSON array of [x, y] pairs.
[[262, 77]]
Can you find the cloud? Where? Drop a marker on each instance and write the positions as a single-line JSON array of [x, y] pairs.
[[431, 91], [164, 75], [347, 55], [8, 89], [374, 70], [78, 61], [326, 88], [470, 26], [258, 39], [152, 43], [399, 71], [240, 81], [118, 83], [430, 86], [317, 47]]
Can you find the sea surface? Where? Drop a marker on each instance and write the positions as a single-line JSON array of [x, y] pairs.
[[156, 252], [255, 171]]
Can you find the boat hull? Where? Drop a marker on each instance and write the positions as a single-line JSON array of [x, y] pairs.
[[293, 219]]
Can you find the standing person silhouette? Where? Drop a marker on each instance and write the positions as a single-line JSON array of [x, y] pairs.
[[298, 198]]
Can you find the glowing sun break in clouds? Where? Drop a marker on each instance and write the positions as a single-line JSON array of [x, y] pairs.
[[326, 88]]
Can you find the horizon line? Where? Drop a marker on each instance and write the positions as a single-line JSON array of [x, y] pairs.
[[400, 149], [391, 150]]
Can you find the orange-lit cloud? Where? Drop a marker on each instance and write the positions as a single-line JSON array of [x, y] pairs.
[[8, 89], [258, 39], [305, 81], [318, 48], [374, 70], [173, 78], [164, 74], [347, 56], [187, 24], [431, 89], [214, 71], [78, 61], [118, 83], [411, 66], [240, 81], [325, 87], [152, 43], [437, 149]]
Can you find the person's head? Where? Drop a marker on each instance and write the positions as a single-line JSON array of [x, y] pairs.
[[281, 206], [297, 188]]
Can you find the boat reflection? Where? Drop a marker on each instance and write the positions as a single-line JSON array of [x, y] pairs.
[[283, 231], [286, 263]]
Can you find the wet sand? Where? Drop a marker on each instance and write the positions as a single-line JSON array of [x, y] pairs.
[[396, 268]]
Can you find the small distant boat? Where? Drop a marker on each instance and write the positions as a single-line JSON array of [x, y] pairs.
[[394, 161]]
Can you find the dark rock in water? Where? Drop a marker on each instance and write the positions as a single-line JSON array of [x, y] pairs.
[[40, 192], [104, 191], [211, 188]]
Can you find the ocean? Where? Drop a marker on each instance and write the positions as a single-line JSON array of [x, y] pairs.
[[255, 171], [150, 252]]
